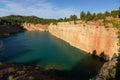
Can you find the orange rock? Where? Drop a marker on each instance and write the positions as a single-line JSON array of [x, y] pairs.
[[88, 38]]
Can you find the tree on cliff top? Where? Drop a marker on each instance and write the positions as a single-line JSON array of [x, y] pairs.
[[89, 16], [119, 12], [82, 15], [107, 13], [73, 18]]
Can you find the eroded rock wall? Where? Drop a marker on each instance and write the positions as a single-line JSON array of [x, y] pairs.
[[35, 27], [89, 38]]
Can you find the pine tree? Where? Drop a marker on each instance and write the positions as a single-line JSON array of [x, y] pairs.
[[94, 16], [88, 16], [107, 13], [65, 19], [73, 18], [82, 15], [119, 12]]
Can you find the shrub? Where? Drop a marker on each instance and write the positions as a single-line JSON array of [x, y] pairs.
[[116, 24]]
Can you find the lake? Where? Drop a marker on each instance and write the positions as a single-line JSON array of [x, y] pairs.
[[43, 49]]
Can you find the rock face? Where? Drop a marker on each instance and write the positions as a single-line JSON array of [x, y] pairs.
[[108, 71], [6, 31], [98, 40], [90, 38], [35, 27]]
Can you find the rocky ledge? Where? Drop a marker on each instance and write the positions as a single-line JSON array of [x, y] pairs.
[[6, 31], [110, 70]]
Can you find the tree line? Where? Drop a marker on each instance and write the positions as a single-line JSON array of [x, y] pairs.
[[95, 16], [17, 19]]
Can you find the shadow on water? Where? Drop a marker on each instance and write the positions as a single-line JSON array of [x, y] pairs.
[[13, 55], [30, 62], [85, 71], [1, 47]]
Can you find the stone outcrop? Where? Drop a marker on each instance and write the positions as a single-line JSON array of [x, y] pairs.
[[7, 30], [90, 38], [108, 71], [35, 27]]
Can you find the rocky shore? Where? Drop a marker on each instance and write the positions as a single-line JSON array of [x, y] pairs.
[[6, 31], [109, 71], [21, 72]]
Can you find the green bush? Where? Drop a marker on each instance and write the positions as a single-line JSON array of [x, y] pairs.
[[113, 72], [116, 24]]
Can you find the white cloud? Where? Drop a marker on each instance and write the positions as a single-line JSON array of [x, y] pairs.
[[14, 6], [40, 8], [3, 10]]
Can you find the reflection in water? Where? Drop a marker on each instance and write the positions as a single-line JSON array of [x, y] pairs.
[[1, 46], [43, 49]]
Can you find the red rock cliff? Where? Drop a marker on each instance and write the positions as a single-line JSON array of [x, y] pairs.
[[87, 37]]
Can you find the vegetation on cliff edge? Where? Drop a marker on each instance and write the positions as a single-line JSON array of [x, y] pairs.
[[17, 19], [89, 16]]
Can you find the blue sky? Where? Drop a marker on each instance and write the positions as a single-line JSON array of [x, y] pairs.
[[55, 8]]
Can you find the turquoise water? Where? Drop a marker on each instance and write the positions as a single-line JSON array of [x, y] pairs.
[[43, 49]]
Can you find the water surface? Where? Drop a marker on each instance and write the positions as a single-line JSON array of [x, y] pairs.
[[43, 49]]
